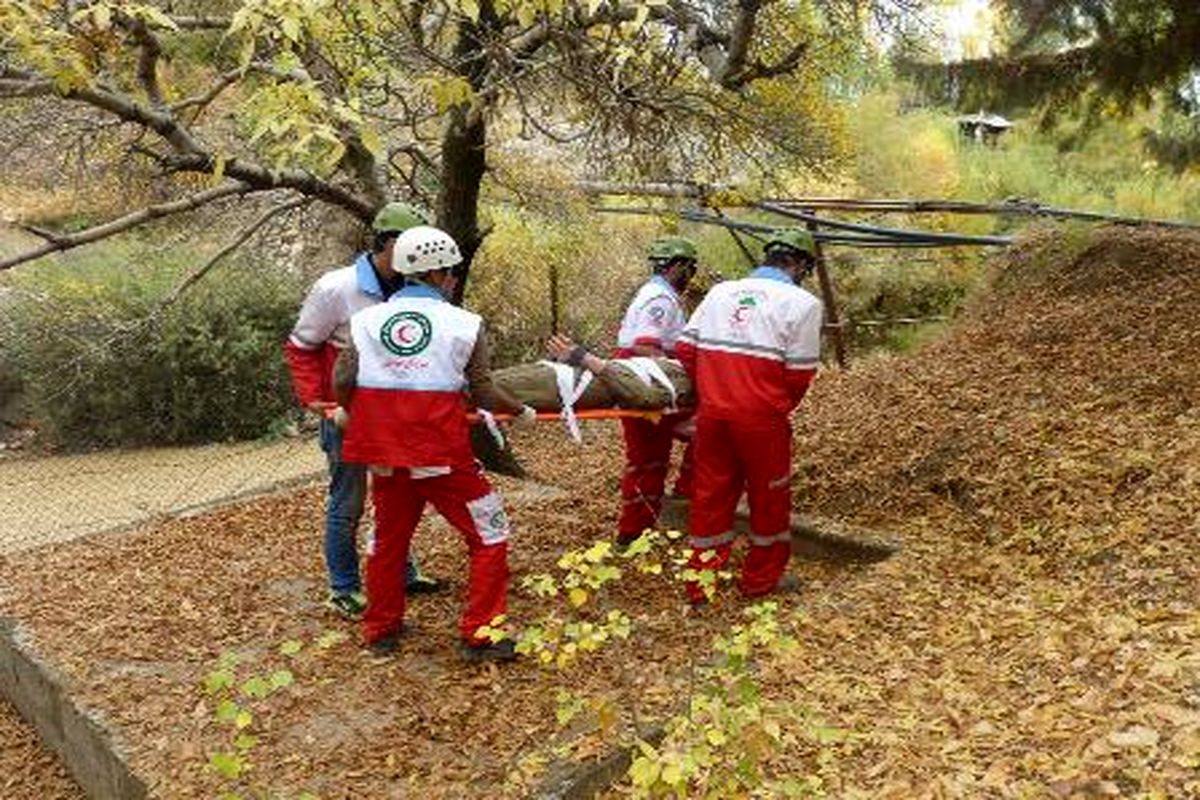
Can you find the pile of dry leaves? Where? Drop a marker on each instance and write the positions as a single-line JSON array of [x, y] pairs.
[[1036, 637], [1040, 636]]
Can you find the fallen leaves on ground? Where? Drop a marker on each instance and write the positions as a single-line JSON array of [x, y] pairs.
[[1037, 637], [27, 768]]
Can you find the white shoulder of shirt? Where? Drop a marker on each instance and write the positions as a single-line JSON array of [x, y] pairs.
[[338, 281], [803, 298]]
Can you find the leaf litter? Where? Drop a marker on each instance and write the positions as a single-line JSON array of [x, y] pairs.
[[1037, 637]]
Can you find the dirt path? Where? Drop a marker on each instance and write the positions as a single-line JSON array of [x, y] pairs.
[[59, 498]]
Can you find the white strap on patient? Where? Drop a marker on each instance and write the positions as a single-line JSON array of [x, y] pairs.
[[569, 393], [650, 373], [489, 422]]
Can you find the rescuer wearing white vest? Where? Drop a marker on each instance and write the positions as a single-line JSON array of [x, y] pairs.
[[650, 328], [404, 380], [751, 348], [321, 332]]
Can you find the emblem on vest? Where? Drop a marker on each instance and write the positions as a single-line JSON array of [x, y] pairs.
[[406, 333], [747, 303]]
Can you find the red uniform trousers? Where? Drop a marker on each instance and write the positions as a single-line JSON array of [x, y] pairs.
[[466, 500], [731, 456], [647, 459]]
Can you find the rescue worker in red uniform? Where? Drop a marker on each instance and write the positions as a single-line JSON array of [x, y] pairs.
[[321, 332], [752, 348], [651, 327], [403, 381]]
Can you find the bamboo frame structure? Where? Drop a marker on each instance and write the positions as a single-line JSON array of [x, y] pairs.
[[840, 233]]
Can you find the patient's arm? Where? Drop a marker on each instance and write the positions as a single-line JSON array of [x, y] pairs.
[[627, 389], [562, 348]]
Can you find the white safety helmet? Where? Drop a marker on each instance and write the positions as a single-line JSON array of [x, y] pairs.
[[423, 249]]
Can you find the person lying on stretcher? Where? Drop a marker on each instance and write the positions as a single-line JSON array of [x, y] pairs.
[[586, 381]]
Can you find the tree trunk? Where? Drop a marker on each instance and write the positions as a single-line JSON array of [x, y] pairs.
[[463, 167], [812, 537], [464, 163], [464, 155]]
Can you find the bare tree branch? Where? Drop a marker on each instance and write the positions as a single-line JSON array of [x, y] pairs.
[[260, 178], [760, 71], [243, 236], [192, 155], [738, 46], [202, 101], [41, 233], [59, 243], [15, 87], [231, 77], [147, 68]]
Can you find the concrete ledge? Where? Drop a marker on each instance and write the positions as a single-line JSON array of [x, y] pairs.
[[85, 747]]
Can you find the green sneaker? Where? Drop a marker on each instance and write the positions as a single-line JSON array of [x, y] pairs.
[[424, 584], [349, 605]]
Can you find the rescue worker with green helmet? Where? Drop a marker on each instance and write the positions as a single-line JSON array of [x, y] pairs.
[[751, 349], [321, 332], [650, 328]]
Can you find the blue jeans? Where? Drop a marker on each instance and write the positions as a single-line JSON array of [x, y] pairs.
[[343, 510]]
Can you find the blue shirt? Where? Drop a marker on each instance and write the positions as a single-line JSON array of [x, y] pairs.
[[772, 274], [420, 290], [368, 279]]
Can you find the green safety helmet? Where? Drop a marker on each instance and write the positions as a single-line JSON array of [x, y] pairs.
[[796, 239], [399, 217], [669, 248]]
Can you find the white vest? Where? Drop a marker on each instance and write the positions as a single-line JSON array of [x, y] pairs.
[[759, 318], [417, 344], [655, 314]]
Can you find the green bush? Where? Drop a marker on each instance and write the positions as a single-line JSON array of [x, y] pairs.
[[99, 368]]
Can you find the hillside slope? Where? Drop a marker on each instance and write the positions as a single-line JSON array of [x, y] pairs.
[[1059, 416], [1038, 635]]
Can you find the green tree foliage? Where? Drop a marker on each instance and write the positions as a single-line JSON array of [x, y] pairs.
[[1175, 138], [102, 363], [1084, 55], [354, 102]]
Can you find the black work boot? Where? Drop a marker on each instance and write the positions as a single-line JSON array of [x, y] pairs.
[[386, 645], [503, 650]]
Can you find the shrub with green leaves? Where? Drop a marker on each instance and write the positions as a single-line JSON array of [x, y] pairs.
[[101, 366]]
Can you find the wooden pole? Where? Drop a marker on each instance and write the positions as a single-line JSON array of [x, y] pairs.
[[1008, 207], [924, 237], [860, 235], [737, 237], [831, 309], [553, 299]]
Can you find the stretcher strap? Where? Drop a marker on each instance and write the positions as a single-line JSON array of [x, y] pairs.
[[489, 421], [569, 392], [650, 373]]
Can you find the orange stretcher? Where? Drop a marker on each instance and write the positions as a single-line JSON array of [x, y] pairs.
[[546, 416], [583, 413]]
